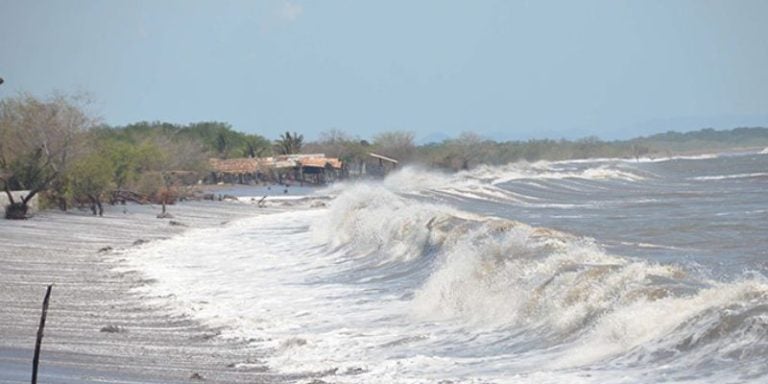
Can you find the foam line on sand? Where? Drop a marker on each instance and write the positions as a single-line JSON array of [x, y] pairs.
[[98, 329]]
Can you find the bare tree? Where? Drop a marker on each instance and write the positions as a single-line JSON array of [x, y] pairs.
[[463, 151], [37, 139], [397, 144], [179, 157], [336, 143]]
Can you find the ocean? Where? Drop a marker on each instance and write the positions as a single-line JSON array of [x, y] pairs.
[[590, 271]]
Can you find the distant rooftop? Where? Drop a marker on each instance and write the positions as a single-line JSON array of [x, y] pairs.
[[252, 165]]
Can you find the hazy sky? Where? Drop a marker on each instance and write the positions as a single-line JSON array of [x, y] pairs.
[[510, 69]]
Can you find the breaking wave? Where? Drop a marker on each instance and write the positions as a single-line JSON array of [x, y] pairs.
[[728, 177], [387, 282], [547, 171], [552, 290], [484, 182]]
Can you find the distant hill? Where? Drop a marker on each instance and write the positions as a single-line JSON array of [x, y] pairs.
[[705, 140], [433, 138], [459, 154]]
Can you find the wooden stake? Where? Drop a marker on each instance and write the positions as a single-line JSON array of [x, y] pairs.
[[36, 359]]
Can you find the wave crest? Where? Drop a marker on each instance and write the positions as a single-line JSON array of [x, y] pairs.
[[565, 291]]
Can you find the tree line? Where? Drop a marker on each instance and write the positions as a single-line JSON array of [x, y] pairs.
[[54, 148]]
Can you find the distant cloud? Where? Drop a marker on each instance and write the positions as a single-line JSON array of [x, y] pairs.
[[278, 13], [142, 32], [141, 29], [289, 11]]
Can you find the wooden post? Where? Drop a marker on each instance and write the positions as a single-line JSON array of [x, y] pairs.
[[36, 359]]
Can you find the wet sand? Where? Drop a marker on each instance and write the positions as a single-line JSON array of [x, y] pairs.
[[151, 345]]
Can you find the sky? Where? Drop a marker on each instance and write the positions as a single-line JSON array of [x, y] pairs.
[[501, 69]]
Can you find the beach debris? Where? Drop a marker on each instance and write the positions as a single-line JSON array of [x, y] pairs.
[[354, 371], [113, 329], [147, 281], [196, 376], [165, 215], [208, 335], [177, 223], [140, 242], [329, 372], [105, 249], [293, 342], [318, 204], [36, 358], [250, 365], [318, 381]]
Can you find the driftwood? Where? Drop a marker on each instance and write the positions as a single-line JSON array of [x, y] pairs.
[[17, 210], [36, 359], [124, 195]]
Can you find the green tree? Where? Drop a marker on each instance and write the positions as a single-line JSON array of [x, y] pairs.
[[256, 146], [90, 178], [216, 137], [222, 144]]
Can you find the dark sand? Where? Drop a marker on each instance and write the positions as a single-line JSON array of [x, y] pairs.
[[153, 346]]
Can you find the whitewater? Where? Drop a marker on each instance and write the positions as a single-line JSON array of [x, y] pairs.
[[552, 272]]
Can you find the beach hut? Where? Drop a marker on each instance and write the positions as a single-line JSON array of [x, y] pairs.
[[320, 170], [241, 170], [381, 166], [315, 168]]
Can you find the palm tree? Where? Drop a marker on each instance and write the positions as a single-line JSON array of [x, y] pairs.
[[289, 144]]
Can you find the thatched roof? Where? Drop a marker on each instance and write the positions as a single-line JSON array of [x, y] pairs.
[[320, 162], [252, 165], [241, 165]]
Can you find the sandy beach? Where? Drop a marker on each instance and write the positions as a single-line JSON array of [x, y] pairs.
[[99, 329]]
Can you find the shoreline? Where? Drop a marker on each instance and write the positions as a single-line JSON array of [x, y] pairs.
[[99, 329]]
